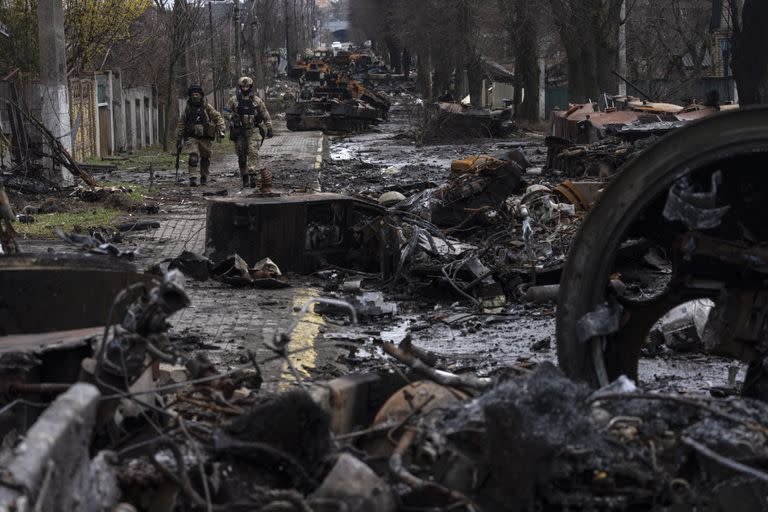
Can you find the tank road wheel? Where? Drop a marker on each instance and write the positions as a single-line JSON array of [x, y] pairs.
[[697, 200]]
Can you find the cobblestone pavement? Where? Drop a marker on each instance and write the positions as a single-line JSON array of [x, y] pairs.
[[222, 320], [294, 158], [228, 320]]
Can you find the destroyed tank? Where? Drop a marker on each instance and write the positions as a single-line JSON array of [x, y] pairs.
[[340, 106], [696, 200], [313, 70]]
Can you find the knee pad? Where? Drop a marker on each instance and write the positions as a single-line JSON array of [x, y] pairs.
[[193, 159]]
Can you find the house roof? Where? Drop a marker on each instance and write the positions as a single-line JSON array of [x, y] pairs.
[[497, 72]]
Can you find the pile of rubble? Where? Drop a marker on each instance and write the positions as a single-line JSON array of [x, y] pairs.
[[483, 235], [33, 149], [601, 159], [141, 425]]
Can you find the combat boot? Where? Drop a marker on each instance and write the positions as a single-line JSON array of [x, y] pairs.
[[203, 180], [192, 181]]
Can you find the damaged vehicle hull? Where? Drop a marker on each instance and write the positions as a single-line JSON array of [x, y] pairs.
[[303, 232], [27, 281], [696, 196]]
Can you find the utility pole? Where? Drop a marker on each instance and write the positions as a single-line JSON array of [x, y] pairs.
[[238, 56], [54, 90], [213, 57], [623, 48]]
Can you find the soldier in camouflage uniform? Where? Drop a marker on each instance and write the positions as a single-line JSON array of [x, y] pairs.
[[249, 123], [198, 126]]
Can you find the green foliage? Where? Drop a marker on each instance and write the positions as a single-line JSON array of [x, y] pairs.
[[92, 28], [78, 221], [141, 159], [20, 49]]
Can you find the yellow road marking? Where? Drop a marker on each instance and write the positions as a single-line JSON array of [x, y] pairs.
[[303, 336]]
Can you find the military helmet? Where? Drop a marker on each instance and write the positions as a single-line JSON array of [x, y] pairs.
[[195, 88], [245, 81]]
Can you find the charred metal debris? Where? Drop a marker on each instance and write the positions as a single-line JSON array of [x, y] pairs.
[[339, 93], [131, 423], [101, 407], [585, 140], [119, 417]]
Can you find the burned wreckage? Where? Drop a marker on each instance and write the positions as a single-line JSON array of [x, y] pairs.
[[338, 106], [103, 408], [331, 100], [694, 197]]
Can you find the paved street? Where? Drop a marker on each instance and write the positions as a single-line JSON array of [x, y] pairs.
[[231, 320]]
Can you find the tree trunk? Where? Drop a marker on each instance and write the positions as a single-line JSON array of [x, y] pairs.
[[476, 75], [442, 76], [606, 21], [750, 53], [526, 62], [406, 63], [591, 45], [424, 80], [589, 72], [395, 54], [255, 48]]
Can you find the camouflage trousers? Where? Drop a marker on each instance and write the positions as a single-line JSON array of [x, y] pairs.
[[247, 148], [199, 155]]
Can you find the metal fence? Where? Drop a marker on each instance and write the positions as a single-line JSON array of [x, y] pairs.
[[681, 92], [555, 97]]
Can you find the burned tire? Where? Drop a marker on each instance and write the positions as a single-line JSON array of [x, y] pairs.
[[639, 185]]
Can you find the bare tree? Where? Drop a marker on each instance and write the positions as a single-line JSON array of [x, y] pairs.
[[444, 36], [521, 23], [670, 39], [181, 18], [589, 34]]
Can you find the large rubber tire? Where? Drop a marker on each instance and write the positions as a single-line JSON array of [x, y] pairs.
[[591, 258]]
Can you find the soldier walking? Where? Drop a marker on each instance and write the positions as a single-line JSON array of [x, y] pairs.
[[249, 123], [199, 126]]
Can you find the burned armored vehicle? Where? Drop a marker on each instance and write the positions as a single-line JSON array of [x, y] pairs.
[[338, 106]]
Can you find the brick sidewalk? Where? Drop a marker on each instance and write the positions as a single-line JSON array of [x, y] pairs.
[[183, 228], [229, 320], [234, 319]]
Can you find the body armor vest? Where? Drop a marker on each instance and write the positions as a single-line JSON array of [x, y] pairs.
[[246, 110], [198, 123]]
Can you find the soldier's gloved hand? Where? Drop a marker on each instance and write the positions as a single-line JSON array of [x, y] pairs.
[[221, 134], [270, 133]]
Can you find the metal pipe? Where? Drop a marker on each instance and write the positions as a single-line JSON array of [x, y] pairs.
[[331, 302], [633, 86]]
